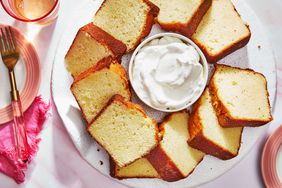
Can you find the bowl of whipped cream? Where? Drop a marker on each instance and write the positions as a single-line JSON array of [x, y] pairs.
[[168, 72]]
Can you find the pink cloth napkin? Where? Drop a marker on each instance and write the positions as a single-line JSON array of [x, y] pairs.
[[35, 117]]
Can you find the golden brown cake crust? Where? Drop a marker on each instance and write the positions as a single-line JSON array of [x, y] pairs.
[[131, 105], [164, 165], [113, 173], [190, 27], [114, 45], [224, 117], [113, 168], [104, 63], [162, 162], [228, 50], [128, 104], [117, 47], [200, 142], [154, 10]]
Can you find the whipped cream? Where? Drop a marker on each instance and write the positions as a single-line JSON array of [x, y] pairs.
[[167, 73]]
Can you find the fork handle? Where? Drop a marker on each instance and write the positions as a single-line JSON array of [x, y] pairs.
[[20, 137]]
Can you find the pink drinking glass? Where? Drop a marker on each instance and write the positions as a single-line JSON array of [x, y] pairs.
[[10, 7]]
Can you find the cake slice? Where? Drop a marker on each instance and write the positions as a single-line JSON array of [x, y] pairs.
[[95, 87], [141, 168], [221, 31], [90, 45], [124, 130], [240, 97], [181, 15], [173, 158], [207, 135], [127, 20]]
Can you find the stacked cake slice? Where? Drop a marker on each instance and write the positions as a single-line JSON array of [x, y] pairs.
[[125, 131], [95, 87], [173, 158], [240, 97], [208, 136], [181, 16], [235, 98], [127, 20], [214, 25], [91, 45], [221, 31]]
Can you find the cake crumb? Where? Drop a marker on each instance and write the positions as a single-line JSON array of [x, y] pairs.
[[101, 163]]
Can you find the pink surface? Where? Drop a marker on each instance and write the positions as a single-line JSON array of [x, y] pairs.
[[58, 164], [31, 61], [34, 118]]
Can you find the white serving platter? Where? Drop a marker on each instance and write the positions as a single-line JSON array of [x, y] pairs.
[[260, 59]]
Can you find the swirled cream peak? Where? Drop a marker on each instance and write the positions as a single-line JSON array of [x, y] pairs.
[[167, 73]]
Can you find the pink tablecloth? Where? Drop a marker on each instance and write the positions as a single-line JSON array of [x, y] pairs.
[[58, 164]]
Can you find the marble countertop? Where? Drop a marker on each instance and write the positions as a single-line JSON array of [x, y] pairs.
[[58, 164]]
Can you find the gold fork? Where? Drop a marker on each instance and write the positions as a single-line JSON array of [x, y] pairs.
[[10, 56]]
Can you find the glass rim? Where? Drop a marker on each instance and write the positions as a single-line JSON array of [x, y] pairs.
[[29, 20]]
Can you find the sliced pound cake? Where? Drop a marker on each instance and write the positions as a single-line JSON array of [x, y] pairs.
[[206, 133], [127, 20], [181, 16], [90, 45], [221, 31], [124, 130], [240, 97], [173, 158], [95, 87], [141, 168]]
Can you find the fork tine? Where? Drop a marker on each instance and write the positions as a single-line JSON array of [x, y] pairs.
[[9, 40], [4, 41], [12, 35]]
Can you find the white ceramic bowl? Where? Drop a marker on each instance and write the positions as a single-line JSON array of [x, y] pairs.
[[185, 40]]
